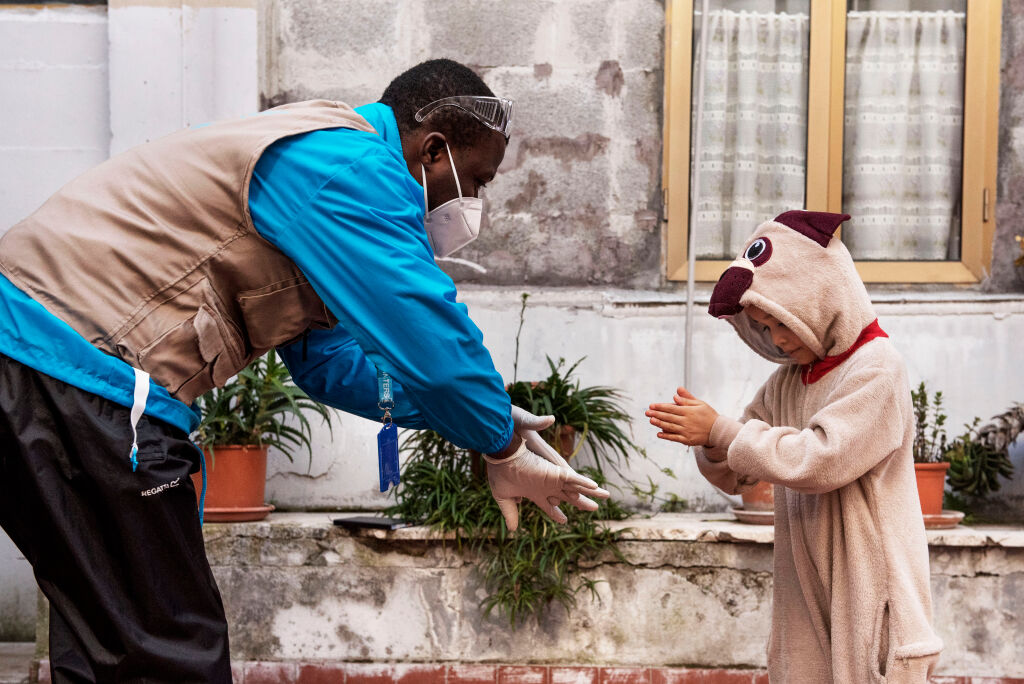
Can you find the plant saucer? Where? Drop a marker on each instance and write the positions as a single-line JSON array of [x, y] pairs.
[[945, 520], [754, 517]]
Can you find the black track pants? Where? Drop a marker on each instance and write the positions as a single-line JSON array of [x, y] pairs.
[[119, 554]]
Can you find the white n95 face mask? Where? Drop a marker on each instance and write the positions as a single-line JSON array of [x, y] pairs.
[[454, 224]]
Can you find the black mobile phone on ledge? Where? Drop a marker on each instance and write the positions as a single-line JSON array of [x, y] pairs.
[[371, 522]]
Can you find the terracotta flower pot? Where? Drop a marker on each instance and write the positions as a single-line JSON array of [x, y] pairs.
[[760, 498], [931, 481], [758, 505], [565, 440], [236, 480]]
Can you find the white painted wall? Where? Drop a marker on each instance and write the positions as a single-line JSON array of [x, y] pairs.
[[54, 121], [965, 344], [17, 594], [54, 124], [79, 83], [178, 63]]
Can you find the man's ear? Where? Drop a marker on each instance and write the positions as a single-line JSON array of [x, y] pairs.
[[432, 148]]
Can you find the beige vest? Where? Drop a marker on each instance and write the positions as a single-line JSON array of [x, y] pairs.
[[152, 255]]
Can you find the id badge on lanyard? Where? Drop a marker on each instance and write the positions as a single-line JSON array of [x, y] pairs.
[[387, 438]]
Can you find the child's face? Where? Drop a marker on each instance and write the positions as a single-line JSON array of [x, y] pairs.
[[782, 337]]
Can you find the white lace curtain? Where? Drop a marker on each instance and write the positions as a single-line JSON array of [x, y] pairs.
[[902, 138], [754, 126], [903, 134]]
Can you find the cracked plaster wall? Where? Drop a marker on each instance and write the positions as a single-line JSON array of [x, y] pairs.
[[1010, 183], [336, 597], [577, 199], [316, 593]]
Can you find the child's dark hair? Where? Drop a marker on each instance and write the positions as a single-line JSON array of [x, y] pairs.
[[430, 81]]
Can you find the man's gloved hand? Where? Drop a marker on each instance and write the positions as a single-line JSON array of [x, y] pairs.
[[536, 471], [527, 426]]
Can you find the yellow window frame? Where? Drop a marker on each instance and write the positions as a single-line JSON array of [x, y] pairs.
[[824, 190]]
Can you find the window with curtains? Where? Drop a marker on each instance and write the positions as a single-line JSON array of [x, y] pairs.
[[882, 109]]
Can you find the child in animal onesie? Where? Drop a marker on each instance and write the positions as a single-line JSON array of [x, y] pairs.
[[833, 430]]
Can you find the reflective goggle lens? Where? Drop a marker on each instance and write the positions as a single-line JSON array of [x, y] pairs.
[[493, 112]]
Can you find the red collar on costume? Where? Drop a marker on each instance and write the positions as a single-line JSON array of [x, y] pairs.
[[813, 372]]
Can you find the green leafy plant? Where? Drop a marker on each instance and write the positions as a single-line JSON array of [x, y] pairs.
[[980, 456], [929, 421], [259, 406], [541, 563], [594, 414], [446, 488]]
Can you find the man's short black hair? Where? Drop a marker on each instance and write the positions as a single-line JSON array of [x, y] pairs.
[[430, 81]]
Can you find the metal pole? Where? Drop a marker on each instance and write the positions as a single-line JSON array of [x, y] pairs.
[[691, 251]]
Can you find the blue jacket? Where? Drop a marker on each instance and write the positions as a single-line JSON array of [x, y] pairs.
[[342, 204]]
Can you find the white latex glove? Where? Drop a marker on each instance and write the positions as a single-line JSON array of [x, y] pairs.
[[536, 471], [528, 426]]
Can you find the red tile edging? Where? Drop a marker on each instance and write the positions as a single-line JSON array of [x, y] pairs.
[[272, 672]]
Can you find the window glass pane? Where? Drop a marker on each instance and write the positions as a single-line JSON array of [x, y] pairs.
[[752, 150], [903, 136]]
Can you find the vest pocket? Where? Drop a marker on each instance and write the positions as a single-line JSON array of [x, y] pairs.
[[197, 354], [280, 313], [219, 345]]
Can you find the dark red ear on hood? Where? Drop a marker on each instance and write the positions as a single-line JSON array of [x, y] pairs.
[[817, 225]]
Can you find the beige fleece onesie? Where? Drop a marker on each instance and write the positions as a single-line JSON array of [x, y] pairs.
[[852, 601]]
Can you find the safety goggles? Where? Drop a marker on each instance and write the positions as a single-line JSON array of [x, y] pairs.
[[493, 112]]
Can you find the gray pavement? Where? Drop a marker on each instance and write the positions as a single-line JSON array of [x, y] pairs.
[[14, 660]]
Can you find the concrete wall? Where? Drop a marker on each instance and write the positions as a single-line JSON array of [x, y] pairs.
[[178, 63], [1010, 190], [78, 83], [577, 200], [53, 86], [966, 345], [55, 125], [697, 592]]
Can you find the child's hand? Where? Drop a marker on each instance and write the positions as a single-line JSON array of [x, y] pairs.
[[687, 420]]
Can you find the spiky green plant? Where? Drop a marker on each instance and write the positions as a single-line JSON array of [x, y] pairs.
[[980, 456], [541, 563], [446, 488], [259, 406], [929, 421], [595, 413]]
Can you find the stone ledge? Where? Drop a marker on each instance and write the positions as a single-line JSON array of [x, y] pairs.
[[695, 527], [613, 298], [298, 589]]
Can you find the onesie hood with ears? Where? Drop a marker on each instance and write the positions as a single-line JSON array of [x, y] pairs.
[[794, 269]]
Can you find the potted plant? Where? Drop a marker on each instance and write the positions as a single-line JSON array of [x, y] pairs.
[[446, 487], [523, 573], [760, 498], [257, 409], [929, 449], [584, 416], [980, 457], [758, 505]]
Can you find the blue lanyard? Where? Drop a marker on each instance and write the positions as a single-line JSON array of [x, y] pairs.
[[387, 438], [385, 395]]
